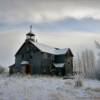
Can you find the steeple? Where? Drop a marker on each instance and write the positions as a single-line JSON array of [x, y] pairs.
[[30, 35]]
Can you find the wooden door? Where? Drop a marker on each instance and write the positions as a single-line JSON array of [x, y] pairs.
[[28, 69]]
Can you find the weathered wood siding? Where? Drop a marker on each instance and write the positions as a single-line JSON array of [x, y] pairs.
[[46, 63], [68, 65], [40, 61]]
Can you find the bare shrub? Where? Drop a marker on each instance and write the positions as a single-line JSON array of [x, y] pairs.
[[78, 83], [78, 80], [2, 69], [56, 96], [93, 89]]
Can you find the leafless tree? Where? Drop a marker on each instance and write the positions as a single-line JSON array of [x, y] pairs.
[[86, 63], [97, 44], [2, 69], [98, 62]]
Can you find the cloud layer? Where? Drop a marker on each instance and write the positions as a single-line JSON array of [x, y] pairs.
[[48, 10], [60, 23]]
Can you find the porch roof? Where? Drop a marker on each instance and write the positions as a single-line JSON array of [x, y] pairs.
[[24, 62], [58, 65]]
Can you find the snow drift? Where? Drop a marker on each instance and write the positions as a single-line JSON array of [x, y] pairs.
[[46, 88]]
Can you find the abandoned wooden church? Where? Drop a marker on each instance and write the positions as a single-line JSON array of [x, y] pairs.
[[36, 58]]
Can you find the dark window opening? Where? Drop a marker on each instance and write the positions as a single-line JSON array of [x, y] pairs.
[[68, 63], [30, 57], [22, 56]]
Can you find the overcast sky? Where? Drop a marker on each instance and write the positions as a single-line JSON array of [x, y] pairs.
[[59, 23]]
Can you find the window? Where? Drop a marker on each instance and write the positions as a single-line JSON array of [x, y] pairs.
[[22, 56], [68, 63], [45, 56], [27, 50], [30, 57]]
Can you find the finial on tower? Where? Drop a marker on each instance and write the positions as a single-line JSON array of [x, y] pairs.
[[30, 28], [30, 35]]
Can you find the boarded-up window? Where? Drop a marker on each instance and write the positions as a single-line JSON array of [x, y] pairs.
[[45, 56], [27, 49]]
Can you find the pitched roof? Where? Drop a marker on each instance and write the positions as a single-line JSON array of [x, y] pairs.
[[11, 66], [49, 49]]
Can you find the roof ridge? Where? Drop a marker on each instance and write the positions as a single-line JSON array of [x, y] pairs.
[[50, 49]]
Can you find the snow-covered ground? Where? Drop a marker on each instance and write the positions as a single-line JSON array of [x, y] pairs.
[[46, 88]]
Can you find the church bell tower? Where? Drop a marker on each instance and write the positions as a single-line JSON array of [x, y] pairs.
[[30, 35]]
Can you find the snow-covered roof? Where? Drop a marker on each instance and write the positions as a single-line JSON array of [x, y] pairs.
[[61, 51], [59, 65], [49, 49], [24, 62]]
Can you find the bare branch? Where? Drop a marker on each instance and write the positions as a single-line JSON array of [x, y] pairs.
[[97, 44]]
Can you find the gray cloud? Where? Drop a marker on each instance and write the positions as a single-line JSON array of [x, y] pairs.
[[44, 11], [48, 10]]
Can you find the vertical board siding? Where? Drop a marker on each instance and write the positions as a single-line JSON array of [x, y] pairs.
[[41, 62]]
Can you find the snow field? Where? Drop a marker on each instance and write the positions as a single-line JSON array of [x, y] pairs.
[[46, 88]]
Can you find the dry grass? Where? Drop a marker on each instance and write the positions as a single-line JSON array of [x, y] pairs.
[[95, 89], [56, 96]]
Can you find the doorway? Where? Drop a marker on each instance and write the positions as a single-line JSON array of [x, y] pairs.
[[28, 69]]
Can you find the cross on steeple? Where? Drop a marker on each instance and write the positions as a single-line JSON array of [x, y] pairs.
[[30, 28]]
